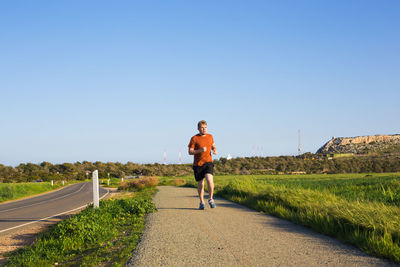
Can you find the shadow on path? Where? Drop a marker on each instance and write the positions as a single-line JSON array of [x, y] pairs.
[[177, 209]]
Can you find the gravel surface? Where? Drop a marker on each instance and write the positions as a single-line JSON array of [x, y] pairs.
[[231, 235]]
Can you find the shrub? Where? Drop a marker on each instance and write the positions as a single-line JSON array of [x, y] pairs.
[[179, 182], [149, 181]]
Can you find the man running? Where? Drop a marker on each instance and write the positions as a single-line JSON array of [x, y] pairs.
[[201, 146]]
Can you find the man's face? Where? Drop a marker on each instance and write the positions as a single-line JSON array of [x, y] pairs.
[[203, 129]]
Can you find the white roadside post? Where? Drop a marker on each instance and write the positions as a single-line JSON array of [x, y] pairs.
[[63, 182], [96, 188], [52, 183]]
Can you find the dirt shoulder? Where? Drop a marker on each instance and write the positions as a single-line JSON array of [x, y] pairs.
[[231, 235]]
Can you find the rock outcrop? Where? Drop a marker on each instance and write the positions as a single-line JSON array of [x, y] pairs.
[[362, 144]]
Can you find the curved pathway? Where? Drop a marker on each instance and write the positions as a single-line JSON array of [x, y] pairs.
[[231, 235]]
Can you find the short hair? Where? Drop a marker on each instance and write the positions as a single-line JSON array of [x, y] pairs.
[[200, 123]]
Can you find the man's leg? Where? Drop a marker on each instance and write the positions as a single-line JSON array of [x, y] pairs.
[[200, 190], [210, 184]]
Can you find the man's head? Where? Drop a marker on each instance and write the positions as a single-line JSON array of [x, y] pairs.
[[202, 127]]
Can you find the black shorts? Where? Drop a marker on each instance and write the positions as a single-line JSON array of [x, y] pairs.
[[200, 171]]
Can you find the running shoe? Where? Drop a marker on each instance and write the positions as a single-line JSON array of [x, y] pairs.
[[201, 207], [212, 203]]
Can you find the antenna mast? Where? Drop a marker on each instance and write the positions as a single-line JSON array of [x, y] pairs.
[[299, 148]]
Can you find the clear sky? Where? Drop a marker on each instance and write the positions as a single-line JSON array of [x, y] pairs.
[[124, 80]]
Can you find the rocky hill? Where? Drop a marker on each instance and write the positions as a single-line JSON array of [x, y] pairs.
[[362, 144]]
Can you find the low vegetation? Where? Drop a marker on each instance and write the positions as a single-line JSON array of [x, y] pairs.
[[12, 191], [139, 183], [179, 182], [104, 236]]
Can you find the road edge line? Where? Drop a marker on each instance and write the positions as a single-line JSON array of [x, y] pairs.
[[22, 225]]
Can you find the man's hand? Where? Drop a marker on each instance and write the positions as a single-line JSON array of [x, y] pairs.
[[204, 149], [214, 149]]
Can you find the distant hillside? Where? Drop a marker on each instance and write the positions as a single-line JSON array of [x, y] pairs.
[[363, 144]]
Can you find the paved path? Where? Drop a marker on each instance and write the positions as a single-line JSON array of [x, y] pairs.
[[20, 213], [232, 235]]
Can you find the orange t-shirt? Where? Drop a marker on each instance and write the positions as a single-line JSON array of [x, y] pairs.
[[198, 141]]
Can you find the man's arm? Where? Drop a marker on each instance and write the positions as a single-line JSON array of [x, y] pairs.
[[214, 149], [193, 151]]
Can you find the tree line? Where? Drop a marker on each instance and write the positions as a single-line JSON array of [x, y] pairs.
[[307, 163]]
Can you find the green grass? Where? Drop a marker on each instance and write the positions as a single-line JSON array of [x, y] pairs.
[[12, 191], [114, 182], [104, 236], [381, 188], [362, 209]]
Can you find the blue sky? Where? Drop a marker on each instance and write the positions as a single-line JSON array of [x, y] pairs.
[[126, 80]]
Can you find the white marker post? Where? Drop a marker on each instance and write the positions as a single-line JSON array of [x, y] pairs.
[[96, 188], [52, 183]]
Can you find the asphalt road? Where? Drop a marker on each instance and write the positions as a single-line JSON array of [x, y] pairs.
[[20, 213], [179, 234]]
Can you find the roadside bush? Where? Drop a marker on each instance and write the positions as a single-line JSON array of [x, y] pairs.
[[150, 181], [179, 182]]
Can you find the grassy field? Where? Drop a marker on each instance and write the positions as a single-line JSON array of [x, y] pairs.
[[95, 237], [362, 209], [12, 191]]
